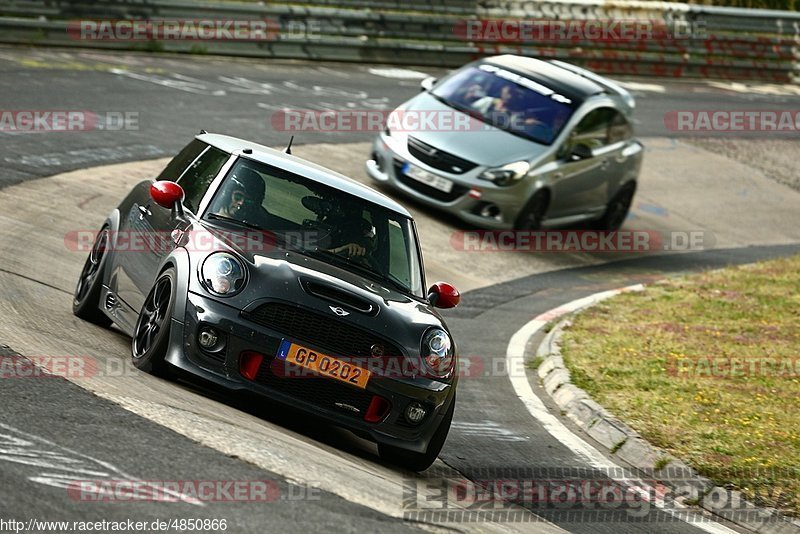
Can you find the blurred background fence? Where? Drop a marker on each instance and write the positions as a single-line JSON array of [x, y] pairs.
[[722, 42]]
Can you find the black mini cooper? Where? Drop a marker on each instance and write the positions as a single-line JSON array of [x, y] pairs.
[[260, 271]]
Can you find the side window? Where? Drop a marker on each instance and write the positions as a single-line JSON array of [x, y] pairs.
[[179, 163], [200, 174], [593, 129], [620, 129]]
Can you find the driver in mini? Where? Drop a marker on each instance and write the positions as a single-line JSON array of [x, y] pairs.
[[245, 190]]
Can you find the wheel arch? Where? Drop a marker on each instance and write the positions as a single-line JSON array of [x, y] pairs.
[[180, 261], [543, 190], [629, 181], [113, 222]]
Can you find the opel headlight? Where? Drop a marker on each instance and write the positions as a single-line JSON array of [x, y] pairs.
[[437, 352], [506, 174], [223, 274]]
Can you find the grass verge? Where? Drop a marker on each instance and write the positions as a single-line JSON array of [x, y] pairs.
[[706, 367]]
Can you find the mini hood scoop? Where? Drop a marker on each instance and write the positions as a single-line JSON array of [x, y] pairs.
[[339, 297]]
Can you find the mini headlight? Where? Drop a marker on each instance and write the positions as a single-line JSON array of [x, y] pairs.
[[223, 274], [506, 174], [437, 352]]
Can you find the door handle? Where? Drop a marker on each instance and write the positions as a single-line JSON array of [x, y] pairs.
[[176, 235], [603, 164]]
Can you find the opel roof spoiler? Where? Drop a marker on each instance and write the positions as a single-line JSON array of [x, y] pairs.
[[599, 80]]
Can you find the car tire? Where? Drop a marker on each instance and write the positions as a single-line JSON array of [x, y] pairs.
[[86, 299], [530, 218], [420, 461], [617, 209], [152, 332]]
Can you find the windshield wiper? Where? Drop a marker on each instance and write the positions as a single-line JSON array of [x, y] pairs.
[[396, 283], [218, 217], [464, 109]]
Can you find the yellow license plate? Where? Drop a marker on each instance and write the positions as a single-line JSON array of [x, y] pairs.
[[323, 364]]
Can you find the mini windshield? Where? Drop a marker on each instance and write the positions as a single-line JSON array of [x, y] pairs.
[[507, 100], [322, 221]]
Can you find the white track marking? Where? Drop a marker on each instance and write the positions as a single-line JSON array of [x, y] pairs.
[[26, 452], [400, 74], [486, 429], [637, 86], [519, 381], [760, 89]]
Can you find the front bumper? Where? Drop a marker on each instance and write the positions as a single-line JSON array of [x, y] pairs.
[[473, 200], [323, 397]]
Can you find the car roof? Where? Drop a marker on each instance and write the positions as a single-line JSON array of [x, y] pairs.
[[559, 79], [307, 169]]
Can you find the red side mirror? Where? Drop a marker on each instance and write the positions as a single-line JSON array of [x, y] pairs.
[[166, 193], [443, 295]]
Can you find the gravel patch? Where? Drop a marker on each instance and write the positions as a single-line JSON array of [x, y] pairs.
[[776, 158]]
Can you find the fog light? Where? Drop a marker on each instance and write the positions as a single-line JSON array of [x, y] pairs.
[[491, 211], [415, 413], [207, 338]]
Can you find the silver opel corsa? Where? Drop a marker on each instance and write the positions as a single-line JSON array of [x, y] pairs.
[[515, 142]]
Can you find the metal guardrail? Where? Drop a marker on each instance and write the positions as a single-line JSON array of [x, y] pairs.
[[737, 44]]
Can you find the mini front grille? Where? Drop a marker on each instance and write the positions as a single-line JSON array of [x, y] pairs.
[[438, 159], [323, 392], [327, 333]]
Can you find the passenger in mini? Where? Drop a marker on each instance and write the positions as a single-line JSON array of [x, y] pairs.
[[357, 237]]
